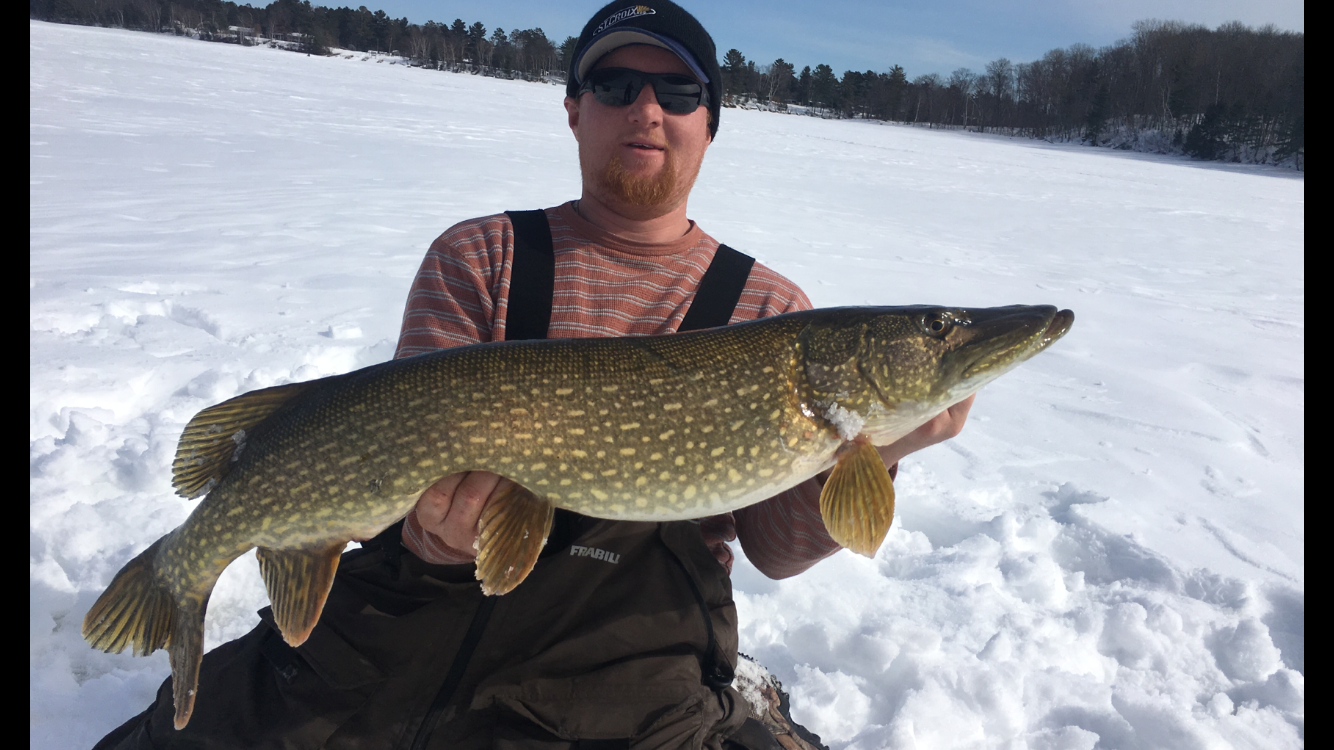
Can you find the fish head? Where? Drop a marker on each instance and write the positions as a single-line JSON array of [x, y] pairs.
[[880, 373]]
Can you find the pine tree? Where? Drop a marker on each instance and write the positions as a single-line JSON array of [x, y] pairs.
[[804, 86], [567, 51], [896, 86], [1207, 139], [734, 73], [824, 86]]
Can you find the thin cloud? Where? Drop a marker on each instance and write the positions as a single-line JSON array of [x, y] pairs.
[[942, 56], [1288, 15]]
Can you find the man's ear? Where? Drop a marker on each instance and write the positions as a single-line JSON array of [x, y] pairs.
[[572, 113]]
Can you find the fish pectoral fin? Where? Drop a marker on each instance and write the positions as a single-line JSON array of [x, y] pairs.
[[513, 527], [857, 503], [204, 453], [298, 581]]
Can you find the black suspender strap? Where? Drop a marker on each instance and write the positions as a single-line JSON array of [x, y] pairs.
[[532, 277], [719, 290]]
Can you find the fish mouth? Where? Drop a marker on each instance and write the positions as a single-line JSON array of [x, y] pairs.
[[1004, 337], [1059, 326]]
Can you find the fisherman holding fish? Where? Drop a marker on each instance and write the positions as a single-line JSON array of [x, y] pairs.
[[624, 633]]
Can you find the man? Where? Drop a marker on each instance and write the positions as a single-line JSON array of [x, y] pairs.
[[625, 633], [638, 163]]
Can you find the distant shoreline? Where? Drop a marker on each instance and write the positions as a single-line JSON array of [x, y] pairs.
[[1098, 98]]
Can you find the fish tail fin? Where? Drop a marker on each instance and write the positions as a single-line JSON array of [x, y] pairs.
[[298, 582], [857, 503], [186, 651], [136, 610], [139, 610]]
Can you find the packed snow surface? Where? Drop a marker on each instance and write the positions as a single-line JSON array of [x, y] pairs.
[[1110, 555]]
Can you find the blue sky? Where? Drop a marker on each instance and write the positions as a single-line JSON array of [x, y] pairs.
[[934, 37]]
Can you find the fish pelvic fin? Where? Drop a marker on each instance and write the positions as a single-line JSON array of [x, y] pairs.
[[298, 581], [137, 610], [215, 436], [185, 651], [514, 527], [857, 502]]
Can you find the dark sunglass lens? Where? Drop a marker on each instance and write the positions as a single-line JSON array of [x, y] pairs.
[[678, 104], [678, 94], [609, 95], [618, 87], [613, 87]]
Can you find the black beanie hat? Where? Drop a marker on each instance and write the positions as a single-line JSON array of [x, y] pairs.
[[663, 24]]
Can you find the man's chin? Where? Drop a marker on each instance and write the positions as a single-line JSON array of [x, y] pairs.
[[645, 187]]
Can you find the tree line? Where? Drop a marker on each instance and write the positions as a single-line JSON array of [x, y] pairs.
[[1233, 93], [314, 29]]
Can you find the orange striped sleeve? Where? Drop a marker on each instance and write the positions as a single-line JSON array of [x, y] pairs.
[[456, 294]]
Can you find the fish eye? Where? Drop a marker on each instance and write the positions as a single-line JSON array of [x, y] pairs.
[[937, 324]]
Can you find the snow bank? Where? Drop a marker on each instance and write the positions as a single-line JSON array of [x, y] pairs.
[[1112, 552]]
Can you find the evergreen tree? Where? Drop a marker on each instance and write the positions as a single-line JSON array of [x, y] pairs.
[[896, 86], [1207, 139], [567, 52], [734, 73], [804, 86], [824, 86]]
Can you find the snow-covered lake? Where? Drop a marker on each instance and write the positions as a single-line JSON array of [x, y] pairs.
[[1111, 554]]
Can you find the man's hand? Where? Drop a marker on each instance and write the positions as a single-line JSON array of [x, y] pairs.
[[944, 426], [451, 507]]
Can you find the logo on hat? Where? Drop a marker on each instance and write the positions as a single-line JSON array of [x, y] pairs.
[[634, 11]]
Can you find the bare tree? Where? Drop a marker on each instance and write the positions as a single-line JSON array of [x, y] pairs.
[[1000, 82], [962, 83], [778, 81]]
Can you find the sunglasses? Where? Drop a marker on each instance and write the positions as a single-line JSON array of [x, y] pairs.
[[620, 87]]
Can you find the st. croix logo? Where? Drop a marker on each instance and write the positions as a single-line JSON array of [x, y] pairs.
[[634, 11]]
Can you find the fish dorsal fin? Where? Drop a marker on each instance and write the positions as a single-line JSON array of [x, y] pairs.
[[208, 445], [857, 503], [298, 581], [513, 528]]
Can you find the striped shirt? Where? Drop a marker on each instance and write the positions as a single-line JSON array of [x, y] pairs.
[[605, 286]]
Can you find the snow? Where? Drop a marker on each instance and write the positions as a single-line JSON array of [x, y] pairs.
[[1111, 553], [848, 423]]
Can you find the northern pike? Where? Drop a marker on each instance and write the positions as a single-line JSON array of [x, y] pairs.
[[655, 428]]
